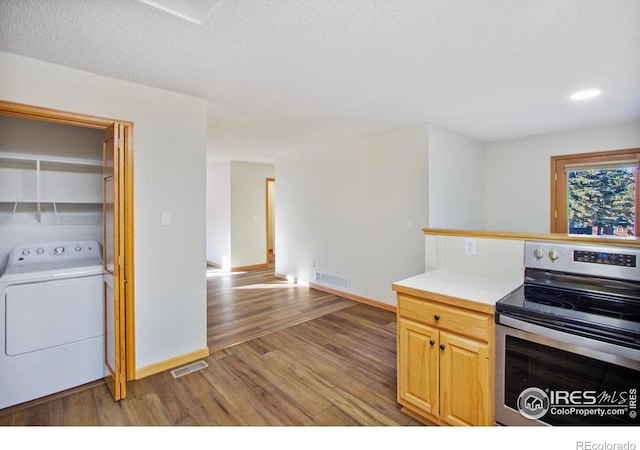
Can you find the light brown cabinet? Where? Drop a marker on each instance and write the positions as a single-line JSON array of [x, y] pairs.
[[445, 360]]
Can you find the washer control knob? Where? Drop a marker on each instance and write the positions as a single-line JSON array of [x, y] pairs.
[[40, 251], [25, 252], [538, 253], [553, 255], [78, 248], [58, 250]]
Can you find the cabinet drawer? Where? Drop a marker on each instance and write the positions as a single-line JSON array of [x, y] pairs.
[[461, 321]]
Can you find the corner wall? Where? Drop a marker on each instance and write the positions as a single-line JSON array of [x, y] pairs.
[[456, 183], [355, 209], [219, 214]]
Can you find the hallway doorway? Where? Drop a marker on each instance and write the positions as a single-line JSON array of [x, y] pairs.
[[271, 221]]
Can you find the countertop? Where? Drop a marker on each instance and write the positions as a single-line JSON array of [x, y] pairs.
[[473, 288], [631, 241]]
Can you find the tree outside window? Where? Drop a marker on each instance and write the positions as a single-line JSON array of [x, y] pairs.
[[601, 201], [595, 193]]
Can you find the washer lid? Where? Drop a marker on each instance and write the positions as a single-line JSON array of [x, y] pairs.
[[55, 269]]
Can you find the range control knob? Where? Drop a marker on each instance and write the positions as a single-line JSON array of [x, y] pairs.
[[25, 252], [78, 248], [538, 253], [40, 251], [58, 250], [553, 255]]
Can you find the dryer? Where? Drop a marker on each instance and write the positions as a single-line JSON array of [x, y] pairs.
[[52, 319]]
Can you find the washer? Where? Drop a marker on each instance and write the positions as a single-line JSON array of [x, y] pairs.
[[52, 319]]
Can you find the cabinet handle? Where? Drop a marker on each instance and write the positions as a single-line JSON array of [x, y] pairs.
[[432, 342], [437, 317], [442, 346]]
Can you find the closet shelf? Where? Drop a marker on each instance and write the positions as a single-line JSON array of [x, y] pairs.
[[54, 213], [37, 197], [60, 213], [8, 208], [49, 159]]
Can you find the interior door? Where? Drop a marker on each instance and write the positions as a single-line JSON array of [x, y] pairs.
[[113, 252]]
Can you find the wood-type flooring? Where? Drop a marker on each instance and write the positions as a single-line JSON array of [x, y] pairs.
[[282, 354]]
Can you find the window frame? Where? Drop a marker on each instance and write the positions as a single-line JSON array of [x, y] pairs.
[[559, 203]]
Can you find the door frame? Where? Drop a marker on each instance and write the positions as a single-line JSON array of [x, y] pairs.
[[87, 121], [269, 206]]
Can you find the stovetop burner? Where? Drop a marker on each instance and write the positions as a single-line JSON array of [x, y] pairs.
[[631, 317], [605, 325], [568, 292], [552, 303], [561, 302], [615, 322]]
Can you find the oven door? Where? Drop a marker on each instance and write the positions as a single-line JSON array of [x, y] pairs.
[[549, 377]]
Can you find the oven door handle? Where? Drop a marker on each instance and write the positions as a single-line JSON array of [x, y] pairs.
[[613, 353]]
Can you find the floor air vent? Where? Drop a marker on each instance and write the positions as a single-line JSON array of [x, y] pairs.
[[333, 280], [189, 368]]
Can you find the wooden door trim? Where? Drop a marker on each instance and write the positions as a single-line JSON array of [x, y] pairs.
[[51, 115], [56, 116], [130, 349]]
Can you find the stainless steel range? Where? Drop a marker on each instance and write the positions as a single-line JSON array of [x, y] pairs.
[[568, 340]]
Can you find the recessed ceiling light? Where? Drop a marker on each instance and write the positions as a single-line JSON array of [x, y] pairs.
[[583, 95]]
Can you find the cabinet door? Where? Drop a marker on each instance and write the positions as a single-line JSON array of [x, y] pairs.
[[464, 381], [418, 381]]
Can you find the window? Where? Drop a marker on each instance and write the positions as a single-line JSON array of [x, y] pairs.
[[595, 193]]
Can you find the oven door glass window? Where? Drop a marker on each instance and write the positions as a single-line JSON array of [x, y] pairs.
[[580, 390]]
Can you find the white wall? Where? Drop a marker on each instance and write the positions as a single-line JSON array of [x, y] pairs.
[[356, 208], [249, 212], [494, 258], [219, 214], [169, 171], [517, 172], [456, 183]]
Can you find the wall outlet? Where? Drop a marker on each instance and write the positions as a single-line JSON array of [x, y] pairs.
[[469, 246]]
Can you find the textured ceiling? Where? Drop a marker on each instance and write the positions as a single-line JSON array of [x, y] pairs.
[[283, 74], [194, 10]]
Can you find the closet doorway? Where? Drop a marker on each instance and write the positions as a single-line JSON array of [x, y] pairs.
[[117, 176]]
